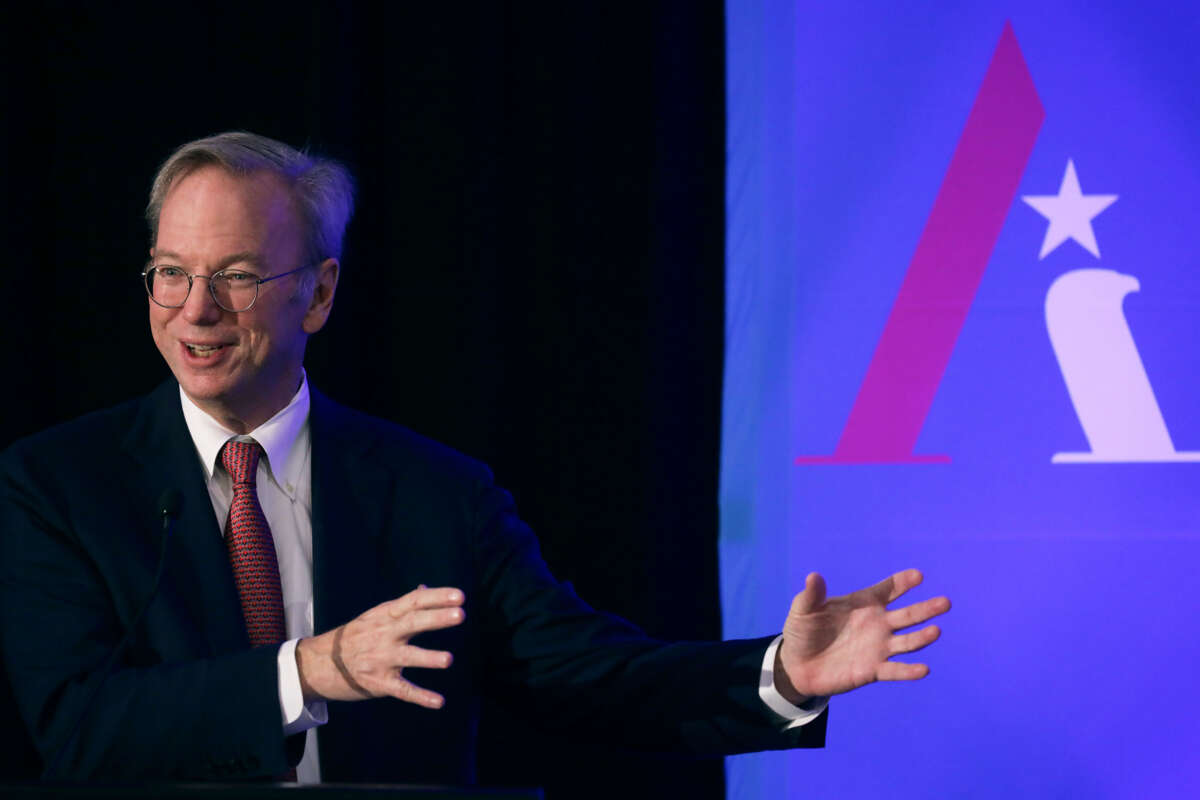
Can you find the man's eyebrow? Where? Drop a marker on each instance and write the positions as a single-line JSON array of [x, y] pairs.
[[245, 257]]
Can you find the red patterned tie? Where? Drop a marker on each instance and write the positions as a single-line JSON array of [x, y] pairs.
[[252, 553], [251, 548]]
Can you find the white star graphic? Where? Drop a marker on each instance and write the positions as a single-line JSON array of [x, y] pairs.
[[1070, 213]]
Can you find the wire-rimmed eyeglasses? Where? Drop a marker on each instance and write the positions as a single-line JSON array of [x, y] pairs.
[[232, 289]]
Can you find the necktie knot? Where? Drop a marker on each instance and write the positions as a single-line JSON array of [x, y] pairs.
[[241, 460]]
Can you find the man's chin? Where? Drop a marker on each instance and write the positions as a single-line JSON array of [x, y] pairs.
[[203, 395], [204, 390]]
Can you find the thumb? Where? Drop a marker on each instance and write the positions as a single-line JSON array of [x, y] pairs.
[[812, 597]]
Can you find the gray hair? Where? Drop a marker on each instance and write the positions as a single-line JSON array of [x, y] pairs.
[[322, 188]]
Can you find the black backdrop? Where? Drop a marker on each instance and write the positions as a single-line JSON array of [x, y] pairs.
[[534, 274]]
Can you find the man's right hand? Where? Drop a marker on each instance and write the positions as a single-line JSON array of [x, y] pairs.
[[365, 657]]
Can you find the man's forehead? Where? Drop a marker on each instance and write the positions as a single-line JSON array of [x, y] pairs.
[[211, 202]]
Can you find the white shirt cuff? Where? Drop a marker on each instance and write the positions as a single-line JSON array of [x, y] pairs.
[[297, 717], [795, 715]]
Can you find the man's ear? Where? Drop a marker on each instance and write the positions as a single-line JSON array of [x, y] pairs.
[[321, 302]]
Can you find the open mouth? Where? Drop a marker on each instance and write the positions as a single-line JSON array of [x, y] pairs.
[[204, 350]]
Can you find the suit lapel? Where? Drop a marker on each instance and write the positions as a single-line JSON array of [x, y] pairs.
[[349, 513], [198, 582]]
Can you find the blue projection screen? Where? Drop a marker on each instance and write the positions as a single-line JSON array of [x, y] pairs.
[[963, 334]]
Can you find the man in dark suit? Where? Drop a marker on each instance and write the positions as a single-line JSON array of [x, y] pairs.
[[288, 594]]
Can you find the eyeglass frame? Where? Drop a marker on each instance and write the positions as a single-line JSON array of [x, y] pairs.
[[191, 276]]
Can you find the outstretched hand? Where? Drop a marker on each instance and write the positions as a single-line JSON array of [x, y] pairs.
[[365, 657], [833, 645]]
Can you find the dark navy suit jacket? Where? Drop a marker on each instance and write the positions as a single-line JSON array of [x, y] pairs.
[[190, 700]]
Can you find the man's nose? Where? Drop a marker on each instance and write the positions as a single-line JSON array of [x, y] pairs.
[[200, 307]]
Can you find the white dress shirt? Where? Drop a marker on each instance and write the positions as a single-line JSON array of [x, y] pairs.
[[284, 483]]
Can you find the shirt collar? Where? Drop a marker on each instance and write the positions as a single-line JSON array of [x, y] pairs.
[[278, 436]]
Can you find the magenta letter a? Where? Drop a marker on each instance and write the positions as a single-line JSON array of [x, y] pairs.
[[946, 268]]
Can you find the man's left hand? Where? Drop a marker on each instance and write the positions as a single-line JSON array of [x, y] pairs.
[[833, 645]]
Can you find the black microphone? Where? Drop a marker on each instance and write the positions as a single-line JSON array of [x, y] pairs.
[[170, 504]]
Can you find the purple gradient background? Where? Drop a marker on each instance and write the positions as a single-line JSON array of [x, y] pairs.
[[1069, 664]]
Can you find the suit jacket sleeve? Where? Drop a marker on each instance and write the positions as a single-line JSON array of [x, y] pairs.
[[598, 675]]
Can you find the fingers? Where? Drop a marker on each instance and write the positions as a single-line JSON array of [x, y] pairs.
[[411, 656], [895, 585], [899, 671], [422, 609], [907, 643], [415, 622], [409, 692], [403, 689], [424, 597], [911, 642], [917, 613], [812, 597]]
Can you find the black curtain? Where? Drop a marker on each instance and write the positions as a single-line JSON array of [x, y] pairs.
[[534, 274]]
